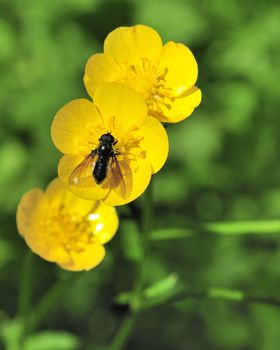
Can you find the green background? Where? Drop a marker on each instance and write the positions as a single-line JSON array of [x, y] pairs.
[[223, 166]]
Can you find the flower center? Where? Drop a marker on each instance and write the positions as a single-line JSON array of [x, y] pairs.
[[90, 139], [128, 140], [150, 81], [73, 232]]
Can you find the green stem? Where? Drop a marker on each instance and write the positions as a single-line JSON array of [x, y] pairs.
[[25, 290], [123, 333], [148, 211], [147, 225], [135, 306]]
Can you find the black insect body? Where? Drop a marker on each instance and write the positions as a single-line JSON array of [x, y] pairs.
[[97, 165], [104, 152]]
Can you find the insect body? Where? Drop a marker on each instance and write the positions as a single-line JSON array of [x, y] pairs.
[[104, 153], [97, 165]]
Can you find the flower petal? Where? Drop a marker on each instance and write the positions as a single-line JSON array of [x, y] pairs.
[[154, 143], [55, 191], [181, 65], [86, 259], [119, 105], [27, 210], [58, 194], [182, 107], [105, 222], [74, 124], [65, 168], [136, 180], [100, 68], [32, 208], [46, 247], [128, 44]]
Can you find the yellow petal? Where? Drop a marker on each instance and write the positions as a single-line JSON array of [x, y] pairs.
[[136, 180], [46, 246], [182, 107], [154, 143], [128, 44], [85, 259], [55, 191], [58, 194], [119, 106], [74, 124], [28, 209], [105, 222], [32, 208], [181, 65], [100, 68], [65, 168]]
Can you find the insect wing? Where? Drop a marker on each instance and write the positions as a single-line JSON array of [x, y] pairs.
[[82, 174], [118, 176]]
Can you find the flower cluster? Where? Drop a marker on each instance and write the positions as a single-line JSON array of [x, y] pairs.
[[112, 145]]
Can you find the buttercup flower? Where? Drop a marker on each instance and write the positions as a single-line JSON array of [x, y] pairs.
[[111, 147], [64, 229], [163, 74]]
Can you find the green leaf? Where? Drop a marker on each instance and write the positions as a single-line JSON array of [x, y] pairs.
[[49, 340], [244, 227], [220, 228], [10, 332], [171, 233], [161, 287], [224, 293], [123, 298], [131, 242]]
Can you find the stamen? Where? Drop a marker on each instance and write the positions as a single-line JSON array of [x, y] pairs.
[[80, 229], [150, 80], [89, 141], [129, 149]]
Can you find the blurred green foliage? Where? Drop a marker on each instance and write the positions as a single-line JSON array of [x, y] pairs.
[[223, 166]]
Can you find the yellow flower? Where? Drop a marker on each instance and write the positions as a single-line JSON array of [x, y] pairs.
[[163, 74], [141, 144], [64, 229]]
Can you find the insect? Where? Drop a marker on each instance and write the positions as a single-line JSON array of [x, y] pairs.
[[97, 164]]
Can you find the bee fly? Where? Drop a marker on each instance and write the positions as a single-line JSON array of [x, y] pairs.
[[97, 164]]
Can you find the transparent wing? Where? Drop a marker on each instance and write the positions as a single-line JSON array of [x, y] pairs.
[[118, 177], [82, 174]]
